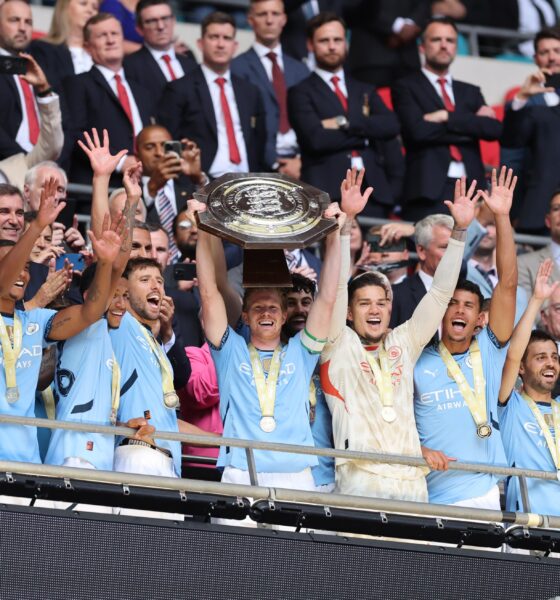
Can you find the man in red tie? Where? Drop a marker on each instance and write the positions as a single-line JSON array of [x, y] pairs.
[[103, 98], [222, 113], [158, 61], [442, 122], [268, 67], [340, 122], [19, 94]]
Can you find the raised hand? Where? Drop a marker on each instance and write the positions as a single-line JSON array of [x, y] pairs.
[[352, 200], [543, 289], [462, 208], [35, 76], [131, 180], [534, 85], [394, 231], [49, 207], [501, 193], [167, 311], [100, 158], [190, 159], [108, 245]]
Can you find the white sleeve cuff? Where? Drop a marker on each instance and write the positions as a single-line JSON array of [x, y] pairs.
[[168, 345], [46, 99]]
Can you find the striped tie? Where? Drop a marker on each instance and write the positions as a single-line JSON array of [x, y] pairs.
[[166, 215]]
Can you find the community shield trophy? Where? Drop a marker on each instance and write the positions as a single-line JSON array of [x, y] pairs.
[[265, 214]]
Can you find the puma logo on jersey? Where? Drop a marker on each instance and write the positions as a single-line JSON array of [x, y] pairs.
[[432, 373]]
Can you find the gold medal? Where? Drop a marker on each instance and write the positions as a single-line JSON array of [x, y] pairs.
[[169, 396], [266, 387], [171, 400], [484, 430], [11, 338]]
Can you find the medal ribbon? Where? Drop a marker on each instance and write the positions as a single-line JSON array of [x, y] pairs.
[[11, 352], [266, 387], [165, 368], [115, 390], [553, 446], [476, 400], [382, 375]]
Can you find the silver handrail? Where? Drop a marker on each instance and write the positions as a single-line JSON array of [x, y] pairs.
[[209, 440]]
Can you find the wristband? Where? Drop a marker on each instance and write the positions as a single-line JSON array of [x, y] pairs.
[[44, 93], [459, 234]]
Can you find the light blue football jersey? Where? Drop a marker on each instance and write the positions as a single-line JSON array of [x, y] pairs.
[[445, 423], [141, 384], [18, 442], [321, 428], [83, 378], [526, 448], [240, 408]]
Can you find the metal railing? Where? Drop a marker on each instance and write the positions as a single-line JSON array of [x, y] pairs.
[[260, 492], [472, 33]]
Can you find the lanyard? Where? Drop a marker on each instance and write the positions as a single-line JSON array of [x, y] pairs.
[[170, 398], [115, 390], [476, 400], [10, 352], [382, 374], [266, 388], [312, 401], [553, 444]]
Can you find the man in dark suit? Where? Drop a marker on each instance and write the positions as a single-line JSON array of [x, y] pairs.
[[298, 12], [384, 33], [432, 236], [532, 135], [157, 62], [338, 120], [222, 113], [19, 95], [442, 121], [266, 66], [102, 98]]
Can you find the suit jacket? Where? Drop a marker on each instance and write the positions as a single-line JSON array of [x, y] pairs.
[[406, 296], [54, 59], [537, 129], [528, 265], [326, 153], [11, 114], [186, 109], [427, 144], [92, 103], [371, 22], [249, 66], [141, 66]]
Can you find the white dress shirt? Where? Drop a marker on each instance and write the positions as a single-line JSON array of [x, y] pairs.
[[221, 163], [327, 76], [456, 169], [427, 280], [81, 59], [286, 143], [22, 136], [110, 78], [175, 64]]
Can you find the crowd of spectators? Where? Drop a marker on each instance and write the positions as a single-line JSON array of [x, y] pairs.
[[143, 320]]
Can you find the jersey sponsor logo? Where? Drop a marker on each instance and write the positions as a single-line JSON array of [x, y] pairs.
[[286, 371], [32, 328], [445, 399], [26, 355], [533, 429]]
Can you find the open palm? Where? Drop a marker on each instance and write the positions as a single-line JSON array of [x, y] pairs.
[[49, 207], [501, 194], [101, 160], [543, 288], [107, 246], [352, 200], [462, 208]]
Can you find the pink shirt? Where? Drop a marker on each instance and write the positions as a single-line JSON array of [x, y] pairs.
[[200, 398]]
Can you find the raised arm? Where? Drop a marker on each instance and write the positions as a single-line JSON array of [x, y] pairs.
[[502, 305], [352, 204], [214, 314], [319, 319], [522, 332], [70, 321], [15, 260], [103, 164], [430, 310]]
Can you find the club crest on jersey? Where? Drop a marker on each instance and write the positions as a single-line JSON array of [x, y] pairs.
[[394, 352], [468, 361], [32, 328]]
